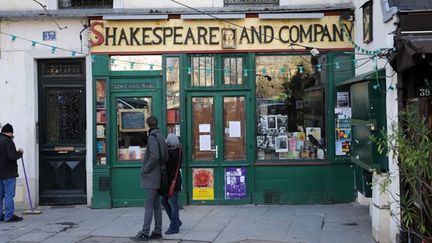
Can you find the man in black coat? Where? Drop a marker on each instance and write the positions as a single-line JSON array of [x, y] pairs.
[[8, 174], [156, 151]]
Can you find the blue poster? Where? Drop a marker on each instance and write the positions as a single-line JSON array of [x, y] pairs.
[[235, 183]]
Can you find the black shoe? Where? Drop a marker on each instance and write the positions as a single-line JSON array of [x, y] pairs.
[[140, 237], [171, 231], [14, 219], [155, 235], [2, 218]]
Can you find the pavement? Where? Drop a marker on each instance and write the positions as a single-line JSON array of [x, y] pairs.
[[241, 224]]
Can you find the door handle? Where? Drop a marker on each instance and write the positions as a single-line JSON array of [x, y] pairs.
[[215, 150]]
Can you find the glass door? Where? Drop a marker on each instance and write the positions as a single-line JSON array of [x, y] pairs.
[[129, 141], [219, 160]]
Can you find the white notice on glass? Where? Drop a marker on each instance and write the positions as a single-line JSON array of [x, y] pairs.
[[234, 129], [339, 148], [204, 128], [204, 143]]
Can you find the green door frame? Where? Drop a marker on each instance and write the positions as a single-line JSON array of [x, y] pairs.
[[219, 163], [125, 176]]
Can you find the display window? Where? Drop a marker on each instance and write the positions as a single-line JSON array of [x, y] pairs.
[[290, 108], [132, 129], [173, 95]]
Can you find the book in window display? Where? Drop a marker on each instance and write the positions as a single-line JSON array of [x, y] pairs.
[[101, 116], [100, 94]]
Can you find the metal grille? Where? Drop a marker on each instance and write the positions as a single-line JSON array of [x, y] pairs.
[[63, 115], [233, 67], [202, 73], [62, 69], [251, 2], [85, 4], [271, 197]]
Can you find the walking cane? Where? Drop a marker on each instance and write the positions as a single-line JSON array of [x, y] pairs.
[[32, 210]]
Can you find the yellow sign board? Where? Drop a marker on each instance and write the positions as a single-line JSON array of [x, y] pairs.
[[250, 34]]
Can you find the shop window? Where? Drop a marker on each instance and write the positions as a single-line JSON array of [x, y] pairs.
[[62, 4], [290, 108], [136, 63], [233, 71], [202, 71], [173, 95], [132, 129], [101, 129]]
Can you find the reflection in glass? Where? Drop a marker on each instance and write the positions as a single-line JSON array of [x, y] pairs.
[[136, 63], [202, 73], [64, 111], [290, 108], [131, 127], [202, 128], [235, 128], [233, 71], [173, 95]]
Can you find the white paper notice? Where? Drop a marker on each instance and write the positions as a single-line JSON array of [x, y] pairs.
[[234, 129], [204, 143], [204, 128], [339, 148]]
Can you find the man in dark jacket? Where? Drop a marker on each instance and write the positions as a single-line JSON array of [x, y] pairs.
[[151, 180], [8, 174]]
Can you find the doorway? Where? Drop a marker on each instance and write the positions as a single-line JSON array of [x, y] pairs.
[[62, 131]]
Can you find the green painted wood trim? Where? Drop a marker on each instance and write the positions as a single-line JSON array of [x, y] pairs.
[[100, 65]]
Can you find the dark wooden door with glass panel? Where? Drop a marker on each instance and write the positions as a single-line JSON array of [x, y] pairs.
[[62, 131]]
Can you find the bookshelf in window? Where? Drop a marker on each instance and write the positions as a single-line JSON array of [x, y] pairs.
[[101, 122]]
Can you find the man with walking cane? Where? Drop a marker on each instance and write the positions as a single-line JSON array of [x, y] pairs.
[[8, 174]]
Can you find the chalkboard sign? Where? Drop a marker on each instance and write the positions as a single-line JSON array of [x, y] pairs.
[[132, 120]]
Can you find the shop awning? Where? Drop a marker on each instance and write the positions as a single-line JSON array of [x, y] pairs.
[[372, 75], [410, 51]]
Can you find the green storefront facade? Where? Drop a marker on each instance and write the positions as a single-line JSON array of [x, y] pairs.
[[257, 122]]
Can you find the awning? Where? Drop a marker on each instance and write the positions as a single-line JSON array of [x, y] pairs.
[[369, 76], [410, 51]]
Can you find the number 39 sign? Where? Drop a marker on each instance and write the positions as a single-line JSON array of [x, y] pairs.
[[49, 35], [424, 92]]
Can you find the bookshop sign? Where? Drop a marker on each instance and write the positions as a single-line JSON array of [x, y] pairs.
[[178, 35]]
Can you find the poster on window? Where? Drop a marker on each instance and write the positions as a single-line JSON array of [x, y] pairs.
[[235, 183], [342, 99], [202, 184]]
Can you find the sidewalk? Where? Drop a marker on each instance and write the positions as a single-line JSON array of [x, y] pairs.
[[245, 223]]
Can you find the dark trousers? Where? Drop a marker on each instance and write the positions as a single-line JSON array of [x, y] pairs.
[[152, 207]]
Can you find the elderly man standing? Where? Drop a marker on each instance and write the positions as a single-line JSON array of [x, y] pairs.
[[156, 152], [8, 174]]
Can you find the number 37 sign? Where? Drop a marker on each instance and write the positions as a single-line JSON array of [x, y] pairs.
[[49, 35]]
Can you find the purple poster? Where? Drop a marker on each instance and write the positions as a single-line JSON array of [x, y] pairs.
[[235, 183]]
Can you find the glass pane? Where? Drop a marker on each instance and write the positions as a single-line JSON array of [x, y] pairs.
[[290, 108], [136, 63], [202, 128], [101, 131], [235, 128], [233, 71], [173, 95], [64, 112], [202, 73], [131, 127]]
